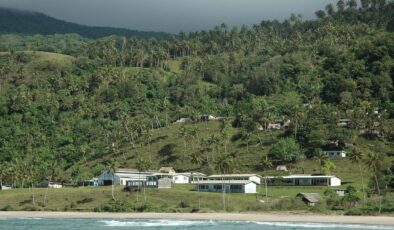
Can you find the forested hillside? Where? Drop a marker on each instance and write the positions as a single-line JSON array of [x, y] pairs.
[[115, 99], [32, 23]]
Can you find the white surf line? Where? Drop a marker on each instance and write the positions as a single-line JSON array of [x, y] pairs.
[[260, 217]]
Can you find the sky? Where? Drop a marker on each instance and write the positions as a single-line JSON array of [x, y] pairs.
[[169, 15]]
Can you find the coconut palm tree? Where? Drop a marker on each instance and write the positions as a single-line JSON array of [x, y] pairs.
[[374, 161], [266, 163], [224, 165], [197, 158], [320, 157], [3, 174], [356, 157], [184, 133], [143, 165], [111, 168]]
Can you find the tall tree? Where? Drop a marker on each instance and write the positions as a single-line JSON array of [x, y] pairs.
[[356, 156], [374, 162], [143, 165], [320, 157], [266, 163], [112, 168]]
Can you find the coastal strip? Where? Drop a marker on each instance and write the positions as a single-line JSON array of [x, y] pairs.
[[264, 217]]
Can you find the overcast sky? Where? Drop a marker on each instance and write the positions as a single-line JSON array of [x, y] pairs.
[[169, 15]]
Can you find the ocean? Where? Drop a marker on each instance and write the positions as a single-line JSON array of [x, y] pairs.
[[101, 224]]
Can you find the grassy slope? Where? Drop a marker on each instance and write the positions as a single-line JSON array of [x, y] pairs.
[[165, 200]]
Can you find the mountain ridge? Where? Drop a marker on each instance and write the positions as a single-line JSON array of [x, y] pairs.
[[30, 23]]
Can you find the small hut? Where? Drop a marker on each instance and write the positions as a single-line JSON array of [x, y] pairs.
[[310, 198]]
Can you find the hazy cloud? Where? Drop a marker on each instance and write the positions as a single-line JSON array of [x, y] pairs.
[[169, 15]]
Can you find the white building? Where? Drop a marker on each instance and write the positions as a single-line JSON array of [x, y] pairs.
[[232, 186], [122, 176], [51, 184], [188, 177], [240, 177], [311, 180], [335, 153], [3, 187]]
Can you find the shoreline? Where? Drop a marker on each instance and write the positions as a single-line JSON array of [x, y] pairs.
[[263, 217]]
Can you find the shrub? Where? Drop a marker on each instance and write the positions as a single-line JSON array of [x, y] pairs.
[[7, 208]]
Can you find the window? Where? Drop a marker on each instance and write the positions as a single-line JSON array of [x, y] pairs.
[[203, 187], [235, 187], [217, 187]]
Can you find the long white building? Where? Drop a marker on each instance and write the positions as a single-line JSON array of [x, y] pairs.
[[311, 180], [231, 186], [240, 177]]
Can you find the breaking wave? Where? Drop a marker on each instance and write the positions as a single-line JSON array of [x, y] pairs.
[[155, 223]]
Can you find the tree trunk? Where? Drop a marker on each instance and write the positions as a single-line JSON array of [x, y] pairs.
[[362, 182], [266, 186], [380, 197], [46, 192], [32, 189], [113, 188]]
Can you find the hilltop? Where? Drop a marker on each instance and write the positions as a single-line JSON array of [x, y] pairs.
[[31, 23]]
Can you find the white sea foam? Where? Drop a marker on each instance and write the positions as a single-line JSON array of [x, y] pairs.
[[29, 218], [154, 223], [323, 225]]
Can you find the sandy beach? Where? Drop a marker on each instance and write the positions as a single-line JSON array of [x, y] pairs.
[[265, 217]]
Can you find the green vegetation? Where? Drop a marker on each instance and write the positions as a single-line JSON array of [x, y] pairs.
[[71, 107]]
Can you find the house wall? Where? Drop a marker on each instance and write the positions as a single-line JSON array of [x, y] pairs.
[[250, 188], [55, 185], [316, 181], [164, 183], [106, 176], [233, 188], [335, 154], [180, 179], [335, 181], [255, 179]]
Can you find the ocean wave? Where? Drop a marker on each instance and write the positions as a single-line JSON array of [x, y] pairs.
[[29, 218], [323, 225], [154, 223]]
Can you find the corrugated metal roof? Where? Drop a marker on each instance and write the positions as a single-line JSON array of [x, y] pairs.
[[225, 182], [189, 174], [233, 175], [310, 197], [308, 176]]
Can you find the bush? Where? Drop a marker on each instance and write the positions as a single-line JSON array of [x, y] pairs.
[[183, 204], [116, 206], [289, 204], [7, 208]]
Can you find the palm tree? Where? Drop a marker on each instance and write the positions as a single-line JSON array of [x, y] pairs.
[[356, 157], [184, 133], [374, 162], [142, 165], [2, 174], [320, 157], [197, 158], [224, 165], [327, 166], [52, 169], [111, 168], [266, 163]]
